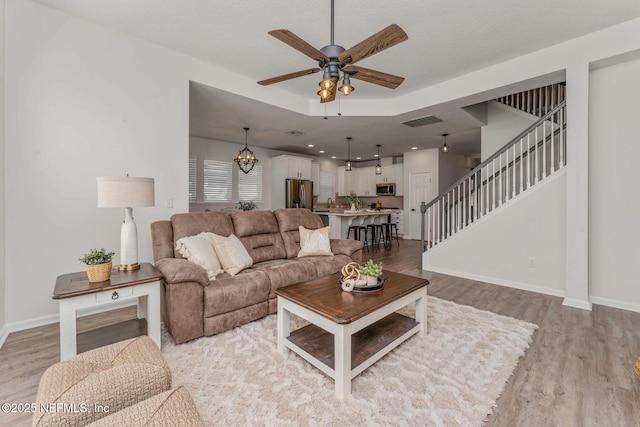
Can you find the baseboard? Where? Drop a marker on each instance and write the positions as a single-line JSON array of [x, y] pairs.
[[577, 303], [55, 318], [498, 281], [4, 333], [615, 304]]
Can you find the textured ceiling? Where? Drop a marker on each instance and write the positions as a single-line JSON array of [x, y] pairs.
[[447, 38]]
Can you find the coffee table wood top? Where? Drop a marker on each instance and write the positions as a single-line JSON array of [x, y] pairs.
[[325, 297]]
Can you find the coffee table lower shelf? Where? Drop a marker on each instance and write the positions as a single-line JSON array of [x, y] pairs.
[[364, 344]]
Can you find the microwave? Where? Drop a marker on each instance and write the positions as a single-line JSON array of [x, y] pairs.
[[386, 189]]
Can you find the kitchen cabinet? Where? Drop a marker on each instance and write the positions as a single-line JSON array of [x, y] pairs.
[[283, 167], [388, 175], [347, 181], [398, 218], [366, 182], [315, 177], [294, 167]]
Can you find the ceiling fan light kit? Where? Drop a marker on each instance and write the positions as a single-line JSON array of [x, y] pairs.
[[336, 63]]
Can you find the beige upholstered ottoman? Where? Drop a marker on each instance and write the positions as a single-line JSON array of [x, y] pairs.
[[78, 391], [171, 408]]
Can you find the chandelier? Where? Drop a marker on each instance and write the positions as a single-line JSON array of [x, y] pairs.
[[245, 159]]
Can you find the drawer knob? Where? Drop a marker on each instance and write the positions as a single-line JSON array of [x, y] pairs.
[[115, 295]]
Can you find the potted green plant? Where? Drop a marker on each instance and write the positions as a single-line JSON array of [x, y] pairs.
[[353, 200], [371, 271], [247, 206], [98, 264]]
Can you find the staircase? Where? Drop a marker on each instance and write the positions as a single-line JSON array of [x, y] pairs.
[[536, 101], [530, 158]]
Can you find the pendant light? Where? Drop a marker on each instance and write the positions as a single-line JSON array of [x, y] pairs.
[[245, 159], [378, 166], [444, 148], [347, 166]]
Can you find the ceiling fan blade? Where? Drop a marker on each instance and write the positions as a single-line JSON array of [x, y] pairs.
[[373, 76], [332, 97], [284, 77], [298, 44], [383, 39]]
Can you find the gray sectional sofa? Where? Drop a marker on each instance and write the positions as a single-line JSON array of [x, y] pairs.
[[194, 306]]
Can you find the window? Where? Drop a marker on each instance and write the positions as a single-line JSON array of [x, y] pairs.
[[217, 181], [250, 185], [192, 179], [327, 186]]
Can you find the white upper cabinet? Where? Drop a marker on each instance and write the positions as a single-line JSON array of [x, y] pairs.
[[315, 177], [388, 175], [295, 167], [367, 181]]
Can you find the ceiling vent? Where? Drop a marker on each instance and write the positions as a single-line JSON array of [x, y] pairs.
[[427, 120], [294, 133]]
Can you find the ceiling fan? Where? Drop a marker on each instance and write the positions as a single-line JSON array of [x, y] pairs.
[[336, 62]]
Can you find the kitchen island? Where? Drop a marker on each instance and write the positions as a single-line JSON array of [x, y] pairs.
[[340, 221]]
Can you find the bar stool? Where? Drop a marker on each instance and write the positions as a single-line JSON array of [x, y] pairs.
[[357, 225], [377, 231], [389, 228]]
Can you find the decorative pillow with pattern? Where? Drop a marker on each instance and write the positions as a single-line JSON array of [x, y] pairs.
[[314, 242], [199, 250], [232, 254]]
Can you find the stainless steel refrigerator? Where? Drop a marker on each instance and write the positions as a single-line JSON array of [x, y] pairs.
[[299, 193]]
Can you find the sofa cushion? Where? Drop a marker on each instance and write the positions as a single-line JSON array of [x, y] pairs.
[[284, 272], [232, 254], [199, 250], [259, 232], [193, 223], [289, 220], [314, 242], [228, 293], [325, 265]]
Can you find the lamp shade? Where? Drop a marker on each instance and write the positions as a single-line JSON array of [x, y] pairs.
[[125, 192]]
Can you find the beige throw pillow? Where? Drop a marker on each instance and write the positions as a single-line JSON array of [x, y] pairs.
[[232, 254], [314, 242], [199, 250]]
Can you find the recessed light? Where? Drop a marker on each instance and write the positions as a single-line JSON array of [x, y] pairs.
[[358, 158], [310, 145], [333, 157], [414, 148], [321, 151], [375, 155]]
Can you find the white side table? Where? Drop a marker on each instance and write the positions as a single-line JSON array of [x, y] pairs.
[[74, 291]]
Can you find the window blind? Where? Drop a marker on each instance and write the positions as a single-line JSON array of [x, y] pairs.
[[250, 185], [327, 186], [217, 181], [193, 169]]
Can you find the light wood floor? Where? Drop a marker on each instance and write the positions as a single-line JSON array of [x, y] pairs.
[[578, 370]]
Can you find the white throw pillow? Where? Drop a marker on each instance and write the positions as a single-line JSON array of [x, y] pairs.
[[232, 254], [199, 250], [314, 242]]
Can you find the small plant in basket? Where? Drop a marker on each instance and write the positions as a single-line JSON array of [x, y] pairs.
[[98, 264], [372, 271]]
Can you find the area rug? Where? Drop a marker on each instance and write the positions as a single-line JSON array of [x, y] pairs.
[[451, 377]]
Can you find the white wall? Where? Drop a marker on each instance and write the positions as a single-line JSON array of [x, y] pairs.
[[503, 124], [614, 205], [451, 168], [498, 248]]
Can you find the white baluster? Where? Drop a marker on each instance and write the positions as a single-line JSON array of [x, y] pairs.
[[544, 174], [552, 142], [535, 151], [499, 180], [521, 166], [493, 176], [513, 170]]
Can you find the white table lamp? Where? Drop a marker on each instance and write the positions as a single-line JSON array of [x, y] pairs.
[[126, 192]]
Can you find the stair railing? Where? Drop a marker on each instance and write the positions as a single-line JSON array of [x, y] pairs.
[[537, 101], [535, 154]]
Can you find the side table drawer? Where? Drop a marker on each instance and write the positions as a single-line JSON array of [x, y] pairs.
[[114, 295]]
